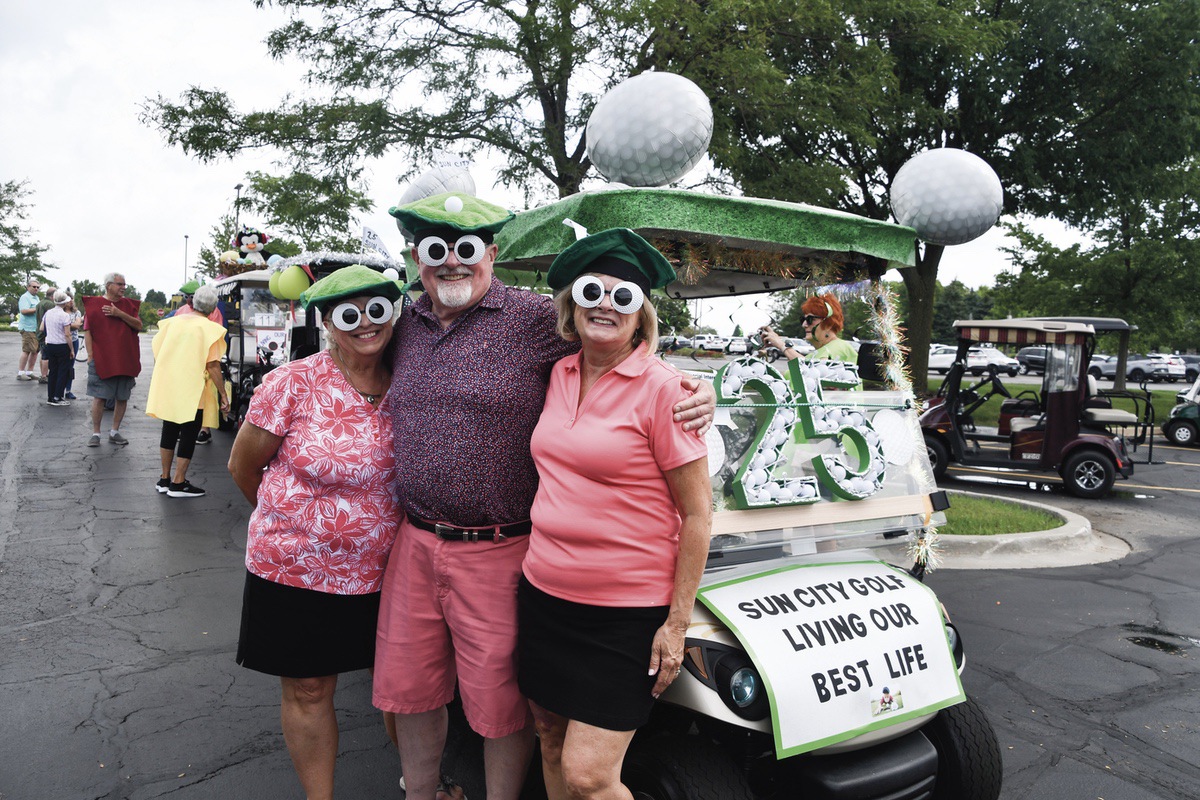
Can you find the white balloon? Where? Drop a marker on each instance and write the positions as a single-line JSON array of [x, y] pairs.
[[948, 195], [650, 130]]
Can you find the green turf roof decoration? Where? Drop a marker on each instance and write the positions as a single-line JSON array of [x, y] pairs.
[[719, 246]]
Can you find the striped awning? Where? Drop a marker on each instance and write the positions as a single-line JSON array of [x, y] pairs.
[[1023, 331]]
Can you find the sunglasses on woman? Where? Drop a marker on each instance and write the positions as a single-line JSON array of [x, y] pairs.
[[809, 319], [347, 316], [626, 297]]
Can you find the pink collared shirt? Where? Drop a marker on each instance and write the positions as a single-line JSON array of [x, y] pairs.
[[605, 527], [327, 514]]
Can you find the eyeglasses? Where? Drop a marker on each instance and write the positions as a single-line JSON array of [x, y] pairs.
[[626, 297], [809, 319], [347, 316], [433, 251], [118, 283]]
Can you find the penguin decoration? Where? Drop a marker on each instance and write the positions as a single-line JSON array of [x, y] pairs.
[[251, 243]]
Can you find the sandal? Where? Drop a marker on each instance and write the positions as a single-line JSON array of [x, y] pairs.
[[448, 787]]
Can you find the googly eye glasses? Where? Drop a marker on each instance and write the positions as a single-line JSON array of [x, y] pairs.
[[347, 316], [626, 297], [434, 250]]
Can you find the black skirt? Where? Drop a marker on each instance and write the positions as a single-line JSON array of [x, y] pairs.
[[584, 662], [303, 633]]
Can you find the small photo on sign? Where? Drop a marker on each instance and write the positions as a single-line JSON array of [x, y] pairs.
[[887, 702]]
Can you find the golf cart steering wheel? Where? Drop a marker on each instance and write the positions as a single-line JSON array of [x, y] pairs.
[[998, 387]]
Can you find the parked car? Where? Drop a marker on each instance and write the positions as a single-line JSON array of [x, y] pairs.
[[1176, 367], [1138, 367], [1032, 359], [1191, 366], [982, 359], [709, 341], [737, 345], [941, 356]]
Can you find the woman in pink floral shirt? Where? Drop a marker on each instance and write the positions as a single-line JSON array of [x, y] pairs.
[[315, 458]]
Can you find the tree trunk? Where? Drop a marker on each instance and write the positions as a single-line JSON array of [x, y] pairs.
[[920, 282]]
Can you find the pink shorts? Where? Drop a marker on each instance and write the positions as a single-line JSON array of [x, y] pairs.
[[449, 610]]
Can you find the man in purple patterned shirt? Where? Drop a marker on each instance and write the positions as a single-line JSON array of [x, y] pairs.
[[473, 358]]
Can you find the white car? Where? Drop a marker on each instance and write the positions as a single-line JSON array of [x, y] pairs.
[[941, 357], [737, 346], [981, 359], [1176, 366]]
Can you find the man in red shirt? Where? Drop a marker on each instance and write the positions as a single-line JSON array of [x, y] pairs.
[[110, 327]]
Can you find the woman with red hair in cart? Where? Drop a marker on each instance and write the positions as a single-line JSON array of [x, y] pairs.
[[823, 323]]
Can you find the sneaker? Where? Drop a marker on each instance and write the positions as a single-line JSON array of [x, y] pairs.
[[184, 489], [23, 377], [43, 380], [117, 438], [94, 441], [59, 402], [70, 396], [163, 485], [203, 437]]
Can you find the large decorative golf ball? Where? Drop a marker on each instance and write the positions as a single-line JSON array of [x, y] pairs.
[[949, 196], [650, 130]]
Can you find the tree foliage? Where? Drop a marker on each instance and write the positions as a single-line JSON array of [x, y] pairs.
[[21, 256]]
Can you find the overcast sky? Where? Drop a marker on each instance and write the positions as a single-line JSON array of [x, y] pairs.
[[108, 194]]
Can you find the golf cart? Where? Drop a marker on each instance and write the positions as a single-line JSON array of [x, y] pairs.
[[257, 335], [1183, 423], [813, 666], [1068, 427]]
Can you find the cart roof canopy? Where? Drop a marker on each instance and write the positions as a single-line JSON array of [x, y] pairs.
[[326, 261], [262, 276], [1023, 331], [1099, 324], [719, 246]]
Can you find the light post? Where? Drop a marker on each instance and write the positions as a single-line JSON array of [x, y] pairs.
[[185, 243], [237, 208]]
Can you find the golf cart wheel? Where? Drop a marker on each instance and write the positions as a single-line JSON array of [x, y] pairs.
[[939, 456], [969, 764], [682, 768], [1088, 473], [1182, 433]]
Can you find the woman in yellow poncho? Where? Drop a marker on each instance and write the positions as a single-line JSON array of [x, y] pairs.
[[186, 388]]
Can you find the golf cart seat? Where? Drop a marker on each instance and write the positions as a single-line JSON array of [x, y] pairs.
[[1025, 423], [1105, 416]]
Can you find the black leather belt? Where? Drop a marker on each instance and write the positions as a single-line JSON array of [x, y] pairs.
[[453, 533]]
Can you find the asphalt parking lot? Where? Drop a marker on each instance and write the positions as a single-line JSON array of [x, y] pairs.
[[121, 611]]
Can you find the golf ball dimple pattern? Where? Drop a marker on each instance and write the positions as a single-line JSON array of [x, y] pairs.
[[948, 196], [650, 130]]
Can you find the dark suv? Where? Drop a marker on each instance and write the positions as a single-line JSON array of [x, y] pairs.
[[1032, 359]]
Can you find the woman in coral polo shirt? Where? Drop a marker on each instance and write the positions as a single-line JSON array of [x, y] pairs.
[[314, 457], [621, 520]]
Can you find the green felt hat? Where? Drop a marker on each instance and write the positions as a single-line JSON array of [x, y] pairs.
[[618, 252], [189, 288], [455, 210], [351, 281]]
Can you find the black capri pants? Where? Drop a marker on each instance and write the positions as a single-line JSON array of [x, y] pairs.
[[183, 433]]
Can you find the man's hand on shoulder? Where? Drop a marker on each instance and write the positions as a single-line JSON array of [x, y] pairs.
[[696, 412]]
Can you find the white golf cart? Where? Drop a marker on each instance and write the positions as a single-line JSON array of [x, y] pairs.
[[814, 668]]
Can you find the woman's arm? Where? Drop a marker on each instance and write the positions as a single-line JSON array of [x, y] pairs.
[[214, 375], [692, 491], [252, 450]]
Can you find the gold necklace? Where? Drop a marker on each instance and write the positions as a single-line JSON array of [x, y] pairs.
[[373, 399]]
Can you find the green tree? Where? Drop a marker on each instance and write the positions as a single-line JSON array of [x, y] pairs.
[[317, 211], [21, 257], [156, 297], [221, 235], [674, 316]]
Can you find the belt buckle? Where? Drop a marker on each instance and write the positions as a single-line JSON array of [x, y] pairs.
[[443, 531]]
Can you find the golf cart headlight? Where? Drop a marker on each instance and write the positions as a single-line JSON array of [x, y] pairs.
[[740, 686]]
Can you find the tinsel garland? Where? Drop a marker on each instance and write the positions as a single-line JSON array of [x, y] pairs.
[[693, 261]]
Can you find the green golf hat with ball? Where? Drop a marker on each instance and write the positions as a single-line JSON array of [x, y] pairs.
[[618, 252], [455, 211], [189, 288], [352, 281]]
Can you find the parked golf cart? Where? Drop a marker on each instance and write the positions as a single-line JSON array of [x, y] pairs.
[[1183, 423], [1067, 427], [257, 335], [813, 667]]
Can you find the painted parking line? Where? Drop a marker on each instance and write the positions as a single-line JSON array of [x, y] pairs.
[[1053, 478]]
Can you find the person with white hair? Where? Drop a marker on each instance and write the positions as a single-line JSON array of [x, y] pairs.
[[56, 323], [186, 388], [110, 333]]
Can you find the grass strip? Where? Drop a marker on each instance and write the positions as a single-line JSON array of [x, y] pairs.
[[970, 515]]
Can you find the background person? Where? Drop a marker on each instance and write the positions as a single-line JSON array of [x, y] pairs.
[[110, 333], [314, 457], [56, 328], [27, 325], [44, 305], [186, 388], [823, 323], [76, 327], [621, 521], [187, 292]]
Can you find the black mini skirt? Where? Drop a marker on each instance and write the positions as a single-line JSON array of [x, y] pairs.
[[303, 633], [584, 662]]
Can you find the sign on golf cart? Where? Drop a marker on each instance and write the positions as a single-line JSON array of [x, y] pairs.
[[842, 648]]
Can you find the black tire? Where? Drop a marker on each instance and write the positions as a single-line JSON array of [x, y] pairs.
[[943, 372], [682, 768], [1024, 369], [1088, 473], [969, 762], [1095, 373], [1137, 376], [1172, 379], [939, 456], [1181, 433], [1012, 372]]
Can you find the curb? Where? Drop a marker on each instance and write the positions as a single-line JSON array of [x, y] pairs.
[[1074, 543]]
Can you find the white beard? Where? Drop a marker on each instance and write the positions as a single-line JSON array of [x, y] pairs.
[[455, 294]]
